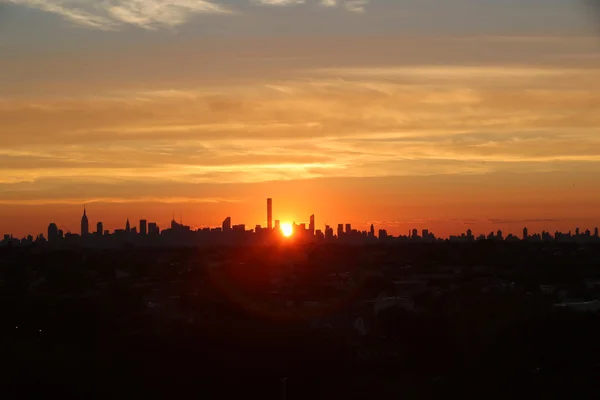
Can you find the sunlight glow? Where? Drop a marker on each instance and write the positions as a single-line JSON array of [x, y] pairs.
[[286, 229]]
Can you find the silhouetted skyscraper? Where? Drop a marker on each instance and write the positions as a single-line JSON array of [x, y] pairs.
[[340, 230], [127, 226], [311, 225], [226, 225], [153, 229], [525, 233], [328, 232], [270, 213], [99, 229], [348, 229], [85, 226], [372, 231], [143, 227], [52, 232]]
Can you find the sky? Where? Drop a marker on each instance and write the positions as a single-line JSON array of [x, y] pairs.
[[441, 114]]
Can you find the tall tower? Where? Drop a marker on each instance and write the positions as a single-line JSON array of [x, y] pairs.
[[226, 225], [270, 213], [525, 234], [52, 232], [127, 226], [311, 225], [99, 229], [85, 226], [143, 227]]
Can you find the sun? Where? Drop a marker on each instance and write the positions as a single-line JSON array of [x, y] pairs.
[[286, 229]]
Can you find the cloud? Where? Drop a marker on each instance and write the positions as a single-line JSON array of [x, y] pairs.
[[117, 200], [317, 126], [357, 6], [279, 2], [329, 3], [152, 14], [111, 14]]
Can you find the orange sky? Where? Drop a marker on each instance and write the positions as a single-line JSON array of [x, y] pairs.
[[181, 107]]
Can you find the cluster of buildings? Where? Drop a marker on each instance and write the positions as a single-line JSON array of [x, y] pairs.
[[180, 234]]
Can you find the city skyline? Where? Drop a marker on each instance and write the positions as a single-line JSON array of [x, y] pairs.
[[300, 229], [466, 113]]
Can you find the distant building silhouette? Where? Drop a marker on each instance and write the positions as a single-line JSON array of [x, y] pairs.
[[143, 227], [340, 230], [277, 225], [348, 229], [525, 234], [270, 213], [85, 226], [53, 232], [127, 226], [99, 229], [226, 225], [153, 229], [328, 232], [311, 225]]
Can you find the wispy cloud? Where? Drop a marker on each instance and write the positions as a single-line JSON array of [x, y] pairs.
[[279, 2], [153, 14], [110, 14], [356, 6], [118, 200]]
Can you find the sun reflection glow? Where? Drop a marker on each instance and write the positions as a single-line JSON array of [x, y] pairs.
[[286, 229]]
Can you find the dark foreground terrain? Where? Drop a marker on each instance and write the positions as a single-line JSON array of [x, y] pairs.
[[487, 320]]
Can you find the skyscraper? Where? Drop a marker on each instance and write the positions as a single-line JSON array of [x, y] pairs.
[[99, 229], [226, 224], [311, 225], [143, 227], [153, 229], [348, 229], [525, 233], [372, 231], [52, 232], [127, 226], [85, 226], [270, 213], [340, 230]]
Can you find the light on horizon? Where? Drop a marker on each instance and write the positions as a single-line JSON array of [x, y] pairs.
[[286, 229]]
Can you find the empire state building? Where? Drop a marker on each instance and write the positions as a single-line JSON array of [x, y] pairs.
[[85, 226]]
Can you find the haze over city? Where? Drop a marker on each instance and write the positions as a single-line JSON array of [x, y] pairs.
[[449, 115]]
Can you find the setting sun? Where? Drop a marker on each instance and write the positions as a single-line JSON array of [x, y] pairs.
[[286, 229]]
